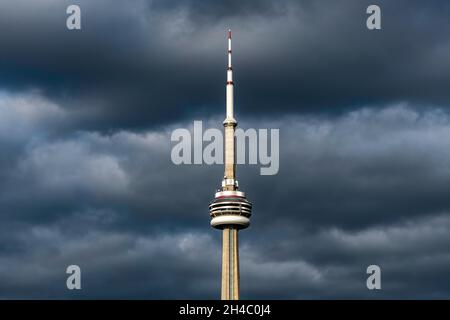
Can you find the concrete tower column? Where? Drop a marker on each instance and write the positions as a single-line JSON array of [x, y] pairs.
[[230, 163], [230, 264], [230, 210]]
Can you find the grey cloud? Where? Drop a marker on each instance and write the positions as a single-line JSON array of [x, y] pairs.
[[85, 170], [142, 64], [332, 263], [362, 188], [368, 166], [114, 265], [186, 264]]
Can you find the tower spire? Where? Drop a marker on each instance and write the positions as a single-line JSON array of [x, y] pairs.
[[230, 85], [229, 182], [230, 210], [229, 49]]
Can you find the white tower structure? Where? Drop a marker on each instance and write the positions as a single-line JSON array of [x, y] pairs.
[[230, 210]]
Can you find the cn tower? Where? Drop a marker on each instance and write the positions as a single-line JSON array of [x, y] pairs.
[[230, 210]]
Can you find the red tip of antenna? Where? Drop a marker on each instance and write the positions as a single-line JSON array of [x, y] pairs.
[[229, 33]]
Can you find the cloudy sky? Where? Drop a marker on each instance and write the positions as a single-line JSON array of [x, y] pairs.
[[86, 176]]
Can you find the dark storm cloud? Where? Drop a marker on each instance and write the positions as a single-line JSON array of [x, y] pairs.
[[332, 263], [143, 63], [359, 189], [85, 170], [114, 265], [369, 166], [209, 12]]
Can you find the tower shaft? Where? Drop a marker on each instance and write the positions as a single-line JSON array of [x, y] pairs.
[[230, 166], [230, 264]]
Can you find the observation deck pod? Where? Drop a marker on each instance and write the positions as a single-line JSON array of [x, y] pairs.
[[230, 208]]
